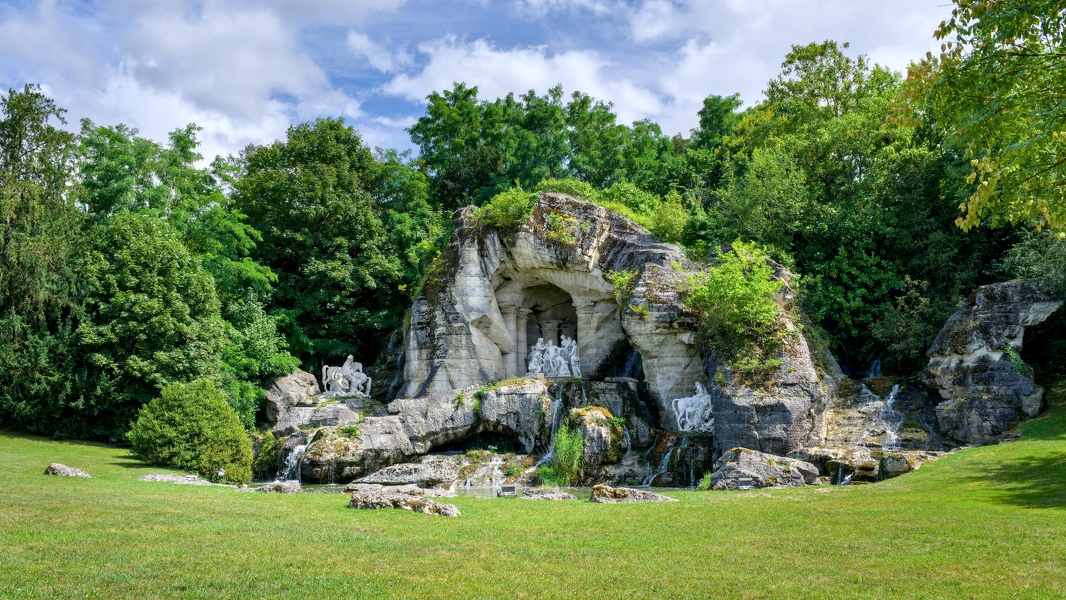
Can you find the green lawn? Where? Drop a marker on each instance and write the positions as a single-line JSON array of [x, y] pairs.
[[983, 523]]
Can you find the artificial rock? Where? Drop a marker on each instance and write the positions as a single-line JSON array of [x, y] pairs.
[[764, 470]]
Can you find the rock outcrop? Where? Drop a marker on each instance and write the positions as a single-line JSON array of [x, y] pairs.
[[278, 487], [433, 473], [64, 471], [547, 494], [974, 361], [369, 500], [605, 494], [180, 480], [764, 470], [286, 392]]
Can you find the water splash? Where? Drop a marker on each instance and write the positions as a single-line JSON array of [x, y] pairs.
[[629, 443], [292, 464], [556, 412], [664, 465], [891, 419]]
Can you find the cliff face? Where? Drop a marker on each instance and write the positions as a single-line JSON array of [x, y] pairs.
[[975, 365]]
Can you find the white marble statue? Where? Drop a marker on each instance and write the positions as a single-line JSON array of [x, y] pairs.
[[694, 413], [554, 362], [570, 353], [346, 380], [536, 358]]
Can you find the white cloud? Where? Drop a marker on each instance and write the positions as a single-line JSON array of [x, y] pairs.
[[377, 55], [542, 7], [498, 72]]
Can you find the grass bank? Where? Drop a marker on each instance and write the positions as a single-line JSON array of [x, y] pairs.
[[982, 523]]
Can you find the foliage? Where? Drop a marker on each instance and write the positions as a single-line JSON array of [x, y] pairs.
[[1039, 255], [997, 88], [704, 483], [267, 455], [738, 316], [568, 449], [563, 229], [151, 318], [190, 426], [624, 283], [507, 210], [351, 431], [41, 238], [1016, 361]]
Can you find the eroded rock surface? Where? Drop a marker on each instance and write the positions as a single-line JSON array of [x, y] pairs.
[[974, 361], [547, 494], [606, 494], [180, 479], [433, 473], [763, 469], [278, 487], [286, 392], [369, 500], [64, 471]]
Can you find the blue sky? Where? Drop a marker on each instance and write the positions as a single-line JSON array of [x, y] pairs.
[[245, 69]]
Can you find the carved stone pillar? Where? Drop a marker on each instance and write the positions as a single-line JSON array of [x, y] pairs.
[[510, 359], [550, 331], [586, 325], [523, 344]]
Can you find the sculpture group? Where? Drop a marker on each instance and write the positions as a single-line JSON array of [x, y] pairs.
[[694, 412], [346, 380], [554, 361]]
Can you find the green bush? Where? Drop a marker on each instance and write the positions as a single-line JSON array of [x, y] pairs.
[[568, 448], [737, 312], [507, 210], [669, 218], [571, 187], [190, 426]]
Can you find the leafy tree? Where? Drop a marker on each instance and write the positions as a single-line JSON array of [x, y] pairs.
[[40, 240], [151, 318], [339, 278], [998, 88], [190, 426]]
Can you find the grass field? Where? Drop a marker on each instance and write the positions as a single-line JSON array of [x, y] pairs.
[[982, 523]]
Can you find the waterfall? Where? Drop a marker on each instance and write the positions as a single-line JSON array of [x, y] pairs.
[[875, 369], [632, 363], [891, 419], [664, 464], [629, 443], [292, 464], [555, 425]]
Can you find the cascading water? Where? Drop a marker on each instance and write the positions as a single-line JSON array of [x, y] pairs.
[[556, 412], [629, 443], [875, 369], [292, 464], [891, 420], [664, 464], [632, 364]]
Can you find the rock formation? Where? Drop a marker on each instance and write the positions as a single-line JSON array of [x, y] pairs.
[[606, 494], [388, 499], [64, 471], [547, 494], [974, 361], [763, 470]]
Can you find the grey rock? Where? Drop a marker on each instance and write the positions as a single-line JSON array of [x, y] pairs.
[[385, 499], [64, 471], [763, 469], [180, 480], [594, 424], [287, 391], [434, 473], [631, 470], [894, 464], [985, 393], [609, 495], [334, 456], [547, 494], [278, 487], [362, 487]]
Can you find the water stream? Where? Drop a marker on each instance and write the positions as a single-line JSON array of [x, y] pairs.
[[292, 464]]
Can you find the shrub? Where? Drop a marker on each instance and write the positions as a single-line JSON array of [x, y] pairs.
[[624, 283], [705, 482], [572, 187], [190, 426], [507, 210], [669, 219], [568, 448], [737, 311]]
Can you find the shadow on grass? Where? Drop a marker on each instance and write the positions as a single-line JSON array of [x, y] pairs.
[[130, 462], [31, 437], [1039, 480]]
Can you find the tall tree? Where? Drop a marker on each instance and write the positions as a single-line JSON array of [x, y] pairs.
[[40, 239], [998, 87]]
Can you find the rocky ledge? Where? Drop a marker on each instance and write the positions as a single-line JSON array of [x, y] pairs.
[[605, 494], [547, 494], [763, 470], [64, 471], [369, 500], [277, 487]]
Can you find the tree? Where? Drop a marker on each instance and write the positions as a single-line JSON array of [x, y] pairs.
[[339, 279], [190, 426], [151, 319], [998, 88], [41, 236]]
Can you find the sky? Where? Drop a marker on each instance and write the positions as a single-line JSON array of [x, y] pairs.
[[245, 70]]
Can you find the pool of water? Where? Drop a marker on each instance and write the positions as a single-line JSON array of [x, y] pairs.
[[582, 493]]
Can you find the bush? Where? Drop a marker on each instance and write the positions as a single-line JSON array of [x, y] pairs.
[[190, 426], [737, 311], [571, 187], [568, 448], [506, 211]]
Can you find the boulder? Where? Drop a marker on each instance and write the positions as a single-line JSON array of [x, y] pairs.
[[64, 471], [609, 495], [522, 408], [433, 473], [894, 464], [633, 469], [386, 499], [763, 469], [547, 494], [287, 391], [595, 425], [974, 361], [335, 456], [278, 487], [180, 480]]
